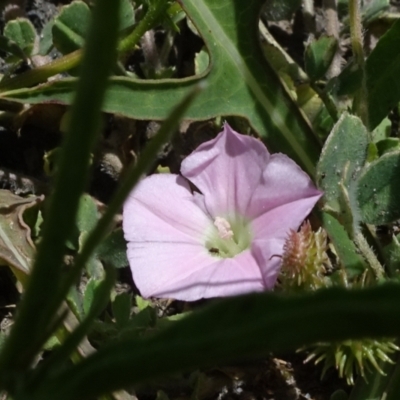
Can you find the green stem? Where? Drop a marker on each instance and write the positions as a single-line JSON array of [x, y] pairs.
[[332, 28], [361, 98], [327, 100], [40, 74], [127, 44], [369, 255]]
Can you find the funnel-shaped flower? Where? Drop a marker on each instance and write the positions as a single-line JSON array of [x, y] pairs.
[[224, 239]]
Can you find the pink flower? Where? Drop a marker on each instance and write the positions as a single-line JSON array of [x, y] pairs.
[[226, 239]]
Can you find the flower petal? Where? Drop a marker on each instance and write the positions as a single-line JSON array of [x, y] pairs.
[[159, 269], [161, 209], [271, 230], [227, 170], [279, 221], [186, 272], [268, 254], [283, 182]]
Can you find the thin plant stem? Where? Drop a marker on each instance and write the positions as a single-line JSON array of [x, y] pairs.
[[360, 105], [309, 16], [327, 100], [369, 255], [127, 44], [332, 29], [40, 74]]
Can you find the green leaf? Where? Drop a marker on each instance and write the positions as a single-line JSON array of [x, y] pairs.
[[234, 328], [379, 190], [240, 82], [70, 27], [16, 247], [127, 15], [387, 145], [87, 215], [9, 46], [347, 252], [86, 219], [348, 81], [319, 55], [382, 131], [343, 155], [89, 295], [46, 40], [112, 250], [75, 302], [121, 307], [22, 32], [141, 303], [202, 61], [383, 71]]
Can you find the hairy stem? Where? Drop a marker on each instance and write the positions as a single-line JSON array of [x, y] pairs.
[[332, 29], [369, 255], [360, 105]]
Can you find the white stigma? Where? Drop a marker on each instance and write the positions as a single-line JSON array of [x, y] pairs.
[[224, 228]]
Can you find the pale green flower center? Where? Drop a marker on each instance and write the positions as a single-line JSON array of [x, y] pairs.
[[228, 237]]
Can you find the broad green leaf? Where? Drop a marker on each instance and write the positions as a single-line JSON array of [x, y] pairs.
[[70, 27], [379, 190], [46, 38], [9, 46], [112, 250], [127, 15], [347, 252], [234, 328], [89, 295], [86, 220], [382, 131], [343, 155], [141, 303], [348, 81], [387, 145], [16, 247], [88, 215], [240, 82], [202, 61], [319, 55], [22, 32], [383, 71], [121, 307]]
